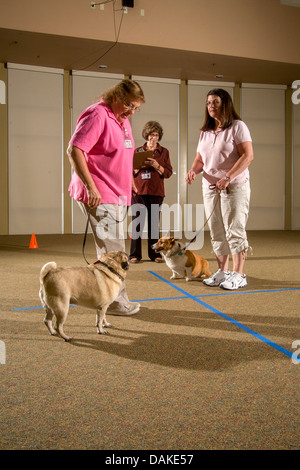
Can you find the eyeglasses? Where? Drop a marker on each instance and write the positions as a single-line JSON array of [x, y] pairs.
[[214, 102], [131, 107]]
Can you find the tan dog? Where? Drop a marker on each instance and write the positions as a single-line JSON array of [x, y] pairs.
[[95, 286], [183, 263]]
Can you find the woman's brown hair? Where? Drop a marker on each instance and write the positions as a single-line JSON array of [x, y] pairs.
[[150, 127], [228, 115]]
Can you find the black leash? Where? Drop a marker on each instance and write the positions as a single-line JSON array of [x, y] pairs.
[[86, 232], [85, 235], [87, 228], [98, 261], [213, 187], [114, 219]]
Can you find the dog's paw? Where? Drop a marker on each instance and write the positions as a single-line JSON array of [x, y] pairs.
[[53, 333], [107, 325]]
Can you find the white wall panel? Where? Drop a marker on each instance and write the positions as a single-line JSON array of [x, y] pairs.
[[35, 121], [263, 110], [35, 150]]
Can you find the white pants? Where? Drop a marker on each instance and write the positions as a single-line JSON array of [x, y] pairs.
[[106, 223], [229, 217]]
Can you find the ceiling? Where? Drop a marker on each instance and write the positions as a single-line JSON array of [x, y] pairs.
[[70, 53]]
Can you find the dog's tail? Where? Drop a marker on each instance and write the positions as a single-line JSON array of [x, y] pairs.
[[46, 269]]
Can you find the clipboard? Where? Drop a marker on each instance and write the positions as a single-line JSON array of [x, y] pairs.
[[140, 157]]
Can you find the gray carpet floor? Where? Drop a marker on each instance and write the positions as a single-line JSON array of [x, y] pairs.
[[197, 368]]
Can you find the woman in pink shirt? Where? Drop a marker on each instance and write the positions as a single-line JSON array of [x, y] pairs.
[[224, 154], [101, 154]]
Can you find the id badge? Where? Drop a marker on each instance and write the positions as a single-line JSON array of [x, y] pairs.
[[128, 144], [146, 176]]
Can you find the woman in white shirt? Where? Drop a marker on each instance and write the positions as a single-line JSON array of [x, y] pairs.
[[224, 154]]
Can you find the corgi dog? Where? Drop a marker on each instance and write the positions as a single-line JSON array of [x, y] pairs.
[[183, 263]]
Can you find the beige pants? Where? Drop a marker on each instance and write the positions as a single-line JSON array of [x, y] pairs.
[[106, 223], [228, 221]]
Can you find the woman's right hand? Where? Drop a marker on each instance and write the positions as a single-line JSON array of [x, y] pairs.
[[190, 176], [94, 197]]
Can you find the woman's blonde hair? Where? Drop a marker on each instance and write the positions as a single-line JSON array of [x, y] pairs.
[[150, 127], [125, 90]]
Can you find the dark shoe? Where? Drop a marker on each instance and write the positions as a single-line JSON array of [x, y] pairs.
[[158, 260], [134, 260]]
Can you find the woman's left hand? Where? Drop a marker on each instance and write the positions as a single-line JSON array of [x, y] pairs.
[[222, 184], [152, 162]]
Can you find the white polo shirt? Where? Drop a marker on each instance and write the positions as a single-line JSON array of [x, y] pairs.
[[219, 152]]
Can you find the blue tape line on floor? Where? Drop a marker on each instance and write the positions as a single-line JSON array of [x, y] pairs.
[[154, 299], [226, 317]]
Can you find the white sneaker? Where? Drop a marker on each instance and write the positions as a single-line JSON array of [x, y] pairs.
[[216, 278], [234, 281], [125, 310]]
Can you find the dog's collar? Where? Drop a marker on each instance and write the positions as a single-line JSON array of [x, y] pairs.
[[179, 252], [110, 268]]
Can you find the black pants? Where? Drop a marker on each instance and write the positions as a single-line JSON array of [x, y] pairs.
[[142, 207]]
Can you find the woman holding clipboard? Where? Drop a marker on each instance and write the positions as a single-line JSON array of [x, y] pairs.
[[148, 190]]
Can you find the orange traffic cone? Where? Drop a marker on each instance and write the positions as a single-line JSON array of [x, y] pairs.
[[33, 242]]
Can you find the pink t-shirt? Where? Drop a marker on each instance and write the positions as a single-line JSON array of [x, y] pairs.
[[219, 152], [108, 147]]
